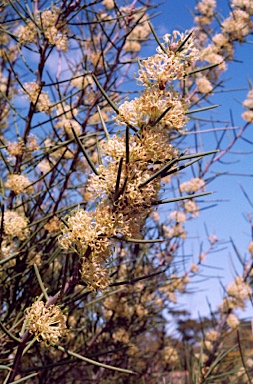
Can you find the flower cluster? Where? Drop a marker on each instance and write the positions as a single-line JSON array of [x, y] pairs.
[[239, 293], [46, 323], [170, 63], [15, 225], [206, 9], [37, 96], [248, 103], [47, 22], [192, 185], [236, 27], [19, 184], [124, 186], [140, 30]]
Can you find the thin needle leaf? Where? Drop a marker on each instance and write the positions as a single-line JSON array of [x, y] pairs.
[[90, 162], [93, 361], [156, 37], [202, 109], [110, 102], [188, 197]]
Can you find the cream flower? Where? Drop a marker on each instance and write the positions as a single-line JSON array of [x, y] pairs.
[[46, 323], [238, 25], [146, 109], [15, 225], [233, 321], [18, 184], [192, 185], [38, 97], [204, 85]]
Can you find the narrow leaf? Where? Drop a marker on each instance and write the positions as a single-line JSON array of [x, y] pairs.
[[93, 361], [181, 198], [202, 109], [90, 162], [110, 102]]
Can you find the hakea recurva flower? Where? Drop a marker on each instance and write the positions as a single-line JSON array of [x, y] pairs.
[[124, 186], [37, 97], [46, 323], [248, 103], [239, 293], [19, 184], [192, 185], [234, 28], [170, 63], [146, 109], [15, 225], [48, 23], [206, 10]]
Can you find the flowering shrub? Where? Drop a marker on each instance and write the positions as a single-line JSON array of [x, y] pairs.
[[92, 263]]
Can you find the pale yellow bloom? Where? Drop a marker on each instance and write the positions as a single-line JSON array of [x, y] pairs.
[[18, 184], [15, 225], [192, 185], [248, 103], [204, 85], [38, 97], [53, 225], [191, 206], [16, 148], [239, 289], [179, 217], [109, 4], [248, 116], [212, 335], [206, 9], [121, 335], [238, 25], [194, 268], [46, 20], [250, 248], [94, 274], [233, 321], [149, 107], [46, 323], [170, 355], [132, 46], [245, 5]]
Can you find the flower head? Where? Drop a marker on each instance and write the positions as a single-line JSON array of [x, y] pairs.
[[15, 225], [18, 184], [46, 323]]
